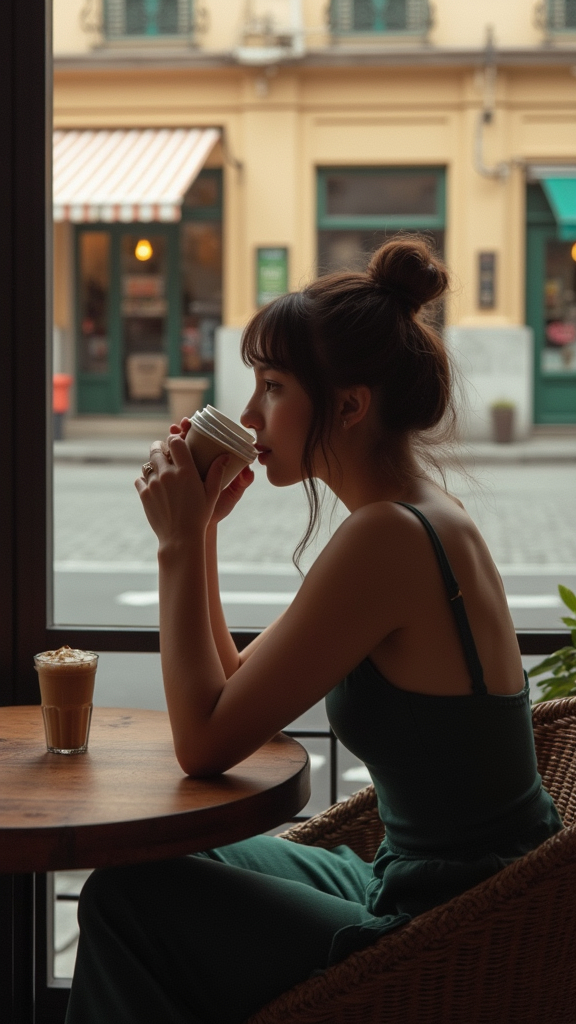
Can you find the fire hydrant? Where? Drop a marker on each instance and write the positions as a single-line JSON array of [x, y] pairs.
[[61, 383]]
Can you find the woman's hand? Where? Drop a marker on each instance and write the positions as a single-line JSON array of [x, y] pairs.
[[231, 495], [177, 503]]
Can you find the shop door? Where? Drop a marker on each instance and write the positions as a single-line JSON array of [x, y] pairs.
[[144, 321], [551, 312], [127, 316]]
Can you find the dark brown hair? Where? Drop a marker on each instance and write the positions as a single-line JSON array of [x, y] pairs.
[[353, 328]]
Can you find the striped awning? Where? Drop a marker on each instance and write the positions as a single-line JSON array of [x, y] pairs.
[[137, 174]]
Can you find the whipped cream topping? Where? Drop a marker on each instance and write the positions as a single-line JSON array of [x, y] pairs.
[[66, 656]]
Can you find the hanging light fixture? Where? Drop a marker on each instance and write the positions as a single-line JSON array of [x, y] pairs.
[[143, 250]]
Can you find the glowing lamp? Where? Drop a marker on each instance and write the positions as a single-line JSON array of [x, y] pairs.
[[143, 250]]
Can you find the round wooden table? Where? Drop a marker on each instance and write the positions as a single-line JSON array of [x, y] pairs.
[[126, 799]]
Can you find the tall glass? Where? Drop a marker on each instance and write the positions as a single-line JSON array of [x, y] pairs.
[[66, 680]]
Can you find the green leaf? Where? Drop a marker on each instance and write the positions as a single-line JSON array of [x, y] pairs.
[[544, 666], [553, 689], [567, 621], [568, 596]]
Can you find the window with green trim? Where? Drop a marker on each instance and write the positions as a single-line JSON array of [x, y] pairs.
[[359, 208], [379, 16], [561, 15], [147, 18]]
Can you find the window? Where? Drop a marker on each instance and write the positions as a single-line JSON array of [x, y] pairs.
[[358, 208], [379, 17], [560, 15], [27, 619], [147, 18]]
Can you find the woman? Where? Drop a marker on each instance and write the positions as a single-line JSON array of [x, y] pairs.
[[422, 674]]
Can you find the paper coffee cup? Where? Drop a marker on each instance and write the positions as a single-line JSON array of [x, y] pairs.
[[206, 443]]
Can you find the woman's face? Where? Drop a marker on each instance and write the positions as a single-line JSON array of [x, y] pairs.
[[280, 413]]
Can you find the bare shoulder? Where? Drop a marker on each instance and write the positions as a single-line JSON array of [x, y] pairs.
[[374, 543]]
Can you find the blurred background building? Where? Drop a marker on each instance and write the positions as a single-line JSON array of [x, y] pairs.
[[209, 155]]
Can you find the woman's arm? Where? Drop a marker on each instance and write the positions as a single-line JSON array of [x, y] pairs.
[[339, 615]]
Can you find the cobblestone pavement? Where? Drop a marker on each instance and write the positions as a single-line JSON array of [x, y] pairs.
[[526, 514]]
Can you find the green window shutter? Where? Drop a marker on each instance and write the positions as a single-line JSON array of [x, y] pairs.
[[561, 15], [379, 16], [147, 18], [115, 19]]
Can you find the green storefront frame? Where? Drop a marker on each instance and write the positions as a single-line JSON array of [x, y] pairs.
[[554, 394], [103, 392], [434, 220]]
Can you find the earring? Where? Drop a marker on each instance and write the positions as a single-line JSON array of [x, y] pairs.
[[344, 424]]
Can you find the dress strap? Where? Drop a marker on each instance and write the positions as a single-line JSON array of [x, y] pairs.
[[456, 603]]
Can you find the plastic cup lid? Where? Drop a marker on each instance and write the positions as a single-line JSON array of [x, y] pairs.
[[231, 424], [236, 447]]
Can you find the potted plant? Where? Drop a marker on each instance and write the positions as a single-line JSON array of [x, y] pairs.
[[560, 666], [503, 410]]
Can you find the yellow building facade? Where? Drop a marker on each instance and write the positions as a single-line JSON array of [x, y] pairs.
[[337, 126]]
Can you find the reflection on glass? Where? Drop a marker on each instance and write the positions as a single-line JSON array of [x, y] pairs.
[[559, 351], [94, 287], [380, 15], [380, 195], [201, 261], [151, 17], [144, 312], [204, 192], [351, 250]]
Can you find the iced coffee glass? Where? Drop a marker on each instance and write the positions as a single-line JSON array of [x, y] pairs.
[[66, 678]]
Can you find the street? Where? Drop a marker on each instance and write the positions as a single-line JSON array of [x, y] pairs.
[[105, 562]]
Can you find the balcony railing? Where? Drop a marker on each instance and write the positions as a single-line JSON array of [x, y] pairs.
[[379, 17]]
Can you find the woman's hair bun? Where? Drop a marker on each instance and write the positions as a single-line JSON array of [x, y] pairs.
[[408, 270]]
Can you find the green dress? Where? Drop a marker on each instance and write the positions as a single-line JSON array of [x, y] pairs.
[[208, 939]]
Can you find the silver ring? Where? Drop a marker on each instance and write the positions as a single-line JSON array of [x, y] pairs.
[[147, 468]]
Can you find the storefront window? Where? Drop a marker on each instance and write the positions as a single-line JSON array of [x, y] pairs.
[[559, 351], [351, 250], [94, 347], [350, 194], [201, 262], [204, 192]]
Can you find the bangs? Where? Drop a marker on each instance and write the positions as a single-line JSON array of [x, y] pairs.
[[277, 335]]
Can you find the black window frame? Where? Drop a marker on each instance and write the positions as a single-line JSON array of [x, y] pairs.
[[25, 520]]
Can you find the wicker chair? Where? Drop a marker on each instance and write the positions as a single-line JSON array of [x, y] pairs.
[[501, 953]]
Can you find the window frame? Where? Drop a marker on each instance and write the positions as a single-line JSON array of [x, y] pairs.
[[25, 423], [394, 222], [341, 21], [555, 15], [114, 23]]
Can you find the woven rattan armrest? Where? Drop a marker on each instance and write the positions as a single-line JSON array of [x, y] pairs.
[[475, 960], [353, 822]]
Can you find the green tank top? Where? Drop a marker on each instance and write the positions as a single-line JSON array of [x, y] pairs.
[[456, 777]]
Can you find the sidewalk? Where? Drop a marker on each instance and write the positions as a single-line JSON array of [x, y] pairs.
[[123, 440]]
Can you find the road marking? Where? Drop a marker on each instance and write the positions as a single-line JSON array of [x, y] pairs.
[[139, 566], [317, 761], [143, 598], [540, 569], [358, 774], [533, 601]]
